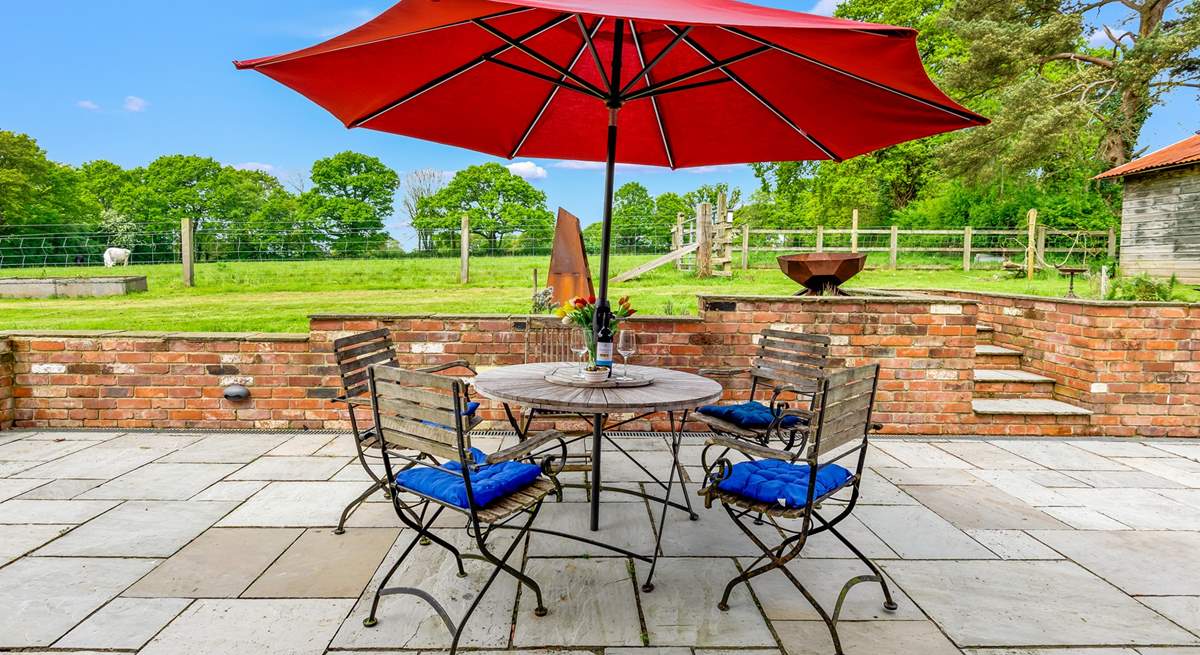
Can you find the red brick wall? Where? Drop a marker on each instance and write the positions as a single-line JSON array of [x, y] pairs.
[[926, 347], [6, 383], [1136, 365], [147, 380]]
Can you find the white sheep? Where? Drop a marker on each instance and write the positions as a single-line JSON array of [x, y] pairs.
[[115, 256]]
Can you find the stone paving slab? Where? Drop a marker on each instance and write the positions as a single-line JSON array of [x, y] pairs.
[[985, 455], [60, 489], [321, 564], [1038, 604], [1013, 544], [295, 504], [226, 449], [290, 468], [982, 508], [44, 597], [16, 540], [161, 482], [1183, 610], [592, 602], [824, 579], [916, 532], [682, 609], [41, 451], [252, 627], [13, 487], [221, 563], [19, 512], [865, 638], [125, 623], [138, 529], [95, 463], [1138, 562]]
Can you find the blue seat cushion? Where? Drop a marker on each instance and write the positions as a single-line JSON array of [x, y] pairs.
[[470, 411], [751, 415], [782, 483], [489, 482]]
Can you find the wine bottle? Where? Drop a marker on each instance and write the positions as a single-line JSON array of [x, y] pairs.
[[604, 337]]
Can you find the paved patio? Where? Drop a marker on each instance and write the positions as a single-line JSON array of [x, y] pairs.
[[176, 543]]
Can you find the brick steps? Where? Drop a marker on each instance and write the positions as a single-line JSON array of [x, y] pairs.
[[1012, 401], [1027, 407], [997, 357]]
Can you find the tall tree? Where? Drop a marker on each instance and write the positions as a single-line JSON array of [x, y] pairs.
[[352, 197], [633, 213], [37, 191], [497, 203]]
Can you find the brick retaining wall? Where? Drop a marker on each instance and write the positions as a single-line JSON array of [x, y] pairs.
[[1136, 365], [6, 384]]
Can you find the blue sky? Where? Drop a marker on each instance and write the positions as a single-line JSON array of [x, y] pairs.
[[130, 80]]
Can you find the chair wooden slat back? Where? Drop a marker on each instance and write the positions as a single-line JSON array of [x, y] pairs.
[[418, 411], [844, 404], [358, 352], [791, 358], [546, 343]]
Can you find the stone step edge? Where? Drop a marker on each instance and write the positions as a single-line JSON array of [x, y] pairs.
[[1010, 375], [988, 350], [1027, 407], [984, 327]]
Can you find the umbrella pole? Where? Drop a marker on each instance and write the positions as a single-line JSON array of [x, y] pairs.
[[603, 317]]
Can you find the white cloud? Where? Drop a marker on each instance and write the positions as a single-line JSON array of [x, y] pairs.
[[527, 170], [255, 166], [1098, 38], [88, 105], [719, 168], [825, 7], [135, 104]]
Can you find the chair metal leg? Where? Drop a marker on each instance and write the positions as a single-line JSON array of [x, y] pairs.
[[502, 563], [371, 621], [889, 603], [676, 437], [354, 505]]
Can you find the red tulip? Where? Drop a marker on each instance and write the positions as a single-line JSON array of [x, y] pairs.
[[631, 312], [591, 300], [580, 303]]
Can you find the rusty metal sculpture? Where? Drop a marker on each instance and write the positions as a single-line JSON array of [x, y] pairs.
[[569, 273]]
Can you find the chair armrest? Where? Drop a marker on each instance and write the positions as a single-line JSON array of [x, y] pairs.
[[526, 447], [724, 372], [747, 448], [438, 368]]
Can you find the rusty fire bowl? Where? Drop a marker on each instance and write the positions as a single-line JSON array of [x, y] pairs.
[[820, 272]]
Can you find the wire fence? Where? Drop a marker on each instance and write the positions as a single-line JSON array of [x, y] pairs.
[[83, 245]]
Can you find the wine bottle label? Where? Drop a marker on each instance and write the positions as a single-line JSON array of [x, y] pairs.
[[604, 354]]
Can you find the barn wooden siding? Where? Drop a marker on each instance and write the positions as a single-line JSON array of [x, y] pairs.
[[1160, 224]]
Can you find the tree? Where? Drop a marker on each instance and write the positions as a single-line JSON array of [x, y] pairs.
[[633, 215], [360, 177], [667, 208], [37, 191], [1030, 63], [497, 203], [107, 183]]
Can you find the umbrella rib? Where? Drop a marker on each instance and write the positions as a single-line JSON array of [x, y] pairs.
[[654, 89], [759, 97], [537, 56], [545, 78], [286, 58], [591, 45], [840, 71], [446, 77], [550, 97], [657, 58], [658, 91], [662, 129]]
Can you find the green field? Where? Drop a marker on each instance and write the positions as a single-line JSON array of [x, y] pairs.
[[279, 296]]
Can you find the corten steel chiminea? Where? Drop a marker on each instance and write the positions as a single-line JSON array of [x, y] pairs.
[[821, 273]]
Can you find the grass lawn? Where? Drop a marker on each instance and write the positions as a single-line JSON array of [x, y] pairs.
[[279, 296]]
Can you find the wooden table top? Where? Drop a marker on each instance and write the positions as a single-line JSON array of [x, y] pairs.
[[525, 385]]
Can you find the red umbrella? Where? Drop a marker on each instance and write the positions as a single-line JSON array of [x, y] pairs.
[[689, 82]]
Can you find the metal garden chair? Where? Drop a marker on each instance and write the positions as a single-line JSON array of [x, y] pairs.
[[354, 355], [425, 413], [778, 484], [789, 365]]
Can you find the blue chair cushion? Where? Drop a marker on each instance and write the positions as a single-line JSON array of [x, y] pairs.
[[470, 411], [781, 483], [490, 482], [751, 415]]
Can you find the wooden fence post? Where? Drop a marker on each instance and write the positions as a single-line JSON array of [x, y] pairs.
[[893, 247], [1112, 243], [704, 239], [187, 251], [820, 238], [677, 239], [464, 250], [854, 231], [1041, 245], [967, 238], [746, 246], [1031, 245]]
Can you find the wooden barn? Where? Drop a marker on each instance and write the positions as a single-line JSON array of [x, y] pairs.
[[1160, 216]]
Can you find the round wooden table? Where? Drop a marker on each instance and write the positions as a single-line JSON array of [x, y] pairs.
[[525, 385]]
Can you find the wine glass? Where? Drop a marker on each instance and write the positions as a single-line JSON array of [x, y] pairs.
[[626, 345], [579, 346]]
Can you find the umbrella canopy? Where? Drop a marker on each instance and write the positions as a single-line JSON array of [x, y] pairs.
[[701, 83], [688, 82]]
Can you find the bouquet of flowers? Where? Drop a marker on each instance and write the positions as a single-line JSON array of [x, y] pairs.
[[582, 311]]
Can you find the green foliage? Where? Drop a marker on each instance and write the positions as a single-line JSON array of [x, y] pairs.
[[1145, 288], [498, 204], [35, 191]]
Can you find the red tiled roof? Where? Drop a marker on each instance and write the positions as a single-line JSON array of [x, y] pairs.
[[1184, 152]]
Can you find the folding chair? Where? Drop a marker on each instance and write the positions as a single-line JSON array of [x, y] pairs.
[[775, 485], [354, 355], [425, 413], [790, 365]]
